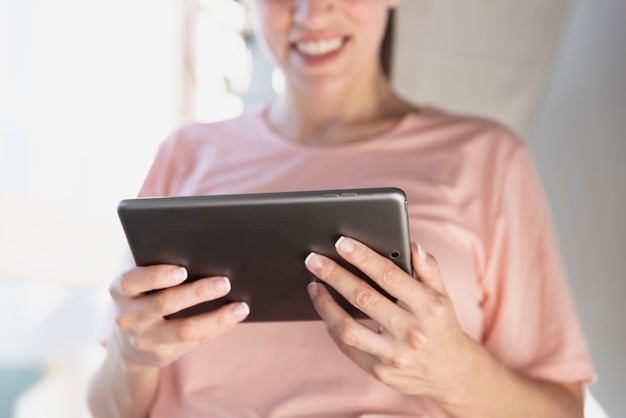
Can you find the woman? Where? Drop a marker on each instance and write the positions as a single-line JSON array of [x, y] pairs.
[[487, 329]]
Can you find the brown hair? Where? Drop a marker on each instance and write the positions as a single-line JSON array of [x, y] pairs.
[[386, 49]]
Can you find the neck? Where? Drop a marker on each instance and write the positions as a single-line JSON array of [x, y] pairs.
[[347, 115]]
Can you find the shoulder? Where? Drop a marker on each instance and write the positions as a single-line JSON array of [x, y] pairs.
[[195, 135], [472, 145], [471, 130], [193, 148]]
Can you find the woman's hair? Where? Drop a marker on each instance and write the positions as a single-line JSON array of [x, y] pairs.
[[386, 49]]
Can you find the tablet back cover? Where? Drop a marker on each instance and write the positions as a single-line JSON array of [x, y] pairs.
[[260, 241]]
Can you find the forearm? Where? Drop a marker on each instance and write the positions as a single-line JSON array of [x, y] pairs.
[[122, 389], [492, 390]]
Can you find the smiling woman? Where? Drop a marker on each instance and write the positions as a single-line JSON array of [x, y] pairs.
[[461, 340], [334, 42]]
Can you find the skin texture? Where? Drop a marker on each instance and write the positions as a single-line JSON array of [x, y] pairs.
[[359, 23], [333, 99], [339, 98], [143, 341], [420, 334]]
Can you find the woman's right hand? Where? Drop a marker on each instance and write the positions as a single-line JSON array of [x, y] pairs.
[[144, 337]]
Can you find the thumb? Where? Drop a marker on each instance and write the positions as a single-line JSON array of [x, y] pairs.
[[426, 268]]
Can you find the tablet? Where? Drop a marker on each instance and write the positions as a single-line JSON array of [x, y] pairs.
[[260, 241]]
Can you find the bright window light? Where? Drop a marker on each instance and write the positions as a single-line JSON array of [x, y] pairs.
[[88, 89]]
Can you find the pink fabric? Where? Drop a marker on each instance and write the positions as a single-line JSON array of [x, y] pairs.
[[474, 201]]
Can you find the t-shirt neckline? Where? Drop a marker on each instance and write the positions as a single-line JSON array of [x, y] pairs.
[[271, 135]]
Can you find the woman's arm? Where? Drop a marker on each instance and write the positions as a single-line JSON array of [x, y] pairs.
[[121, 388], [420, 347], [143, 341], [498, 392], [492, 390]]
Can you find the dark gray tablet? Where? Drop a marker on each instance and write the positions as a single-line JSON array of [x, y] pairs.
[[260, 241]]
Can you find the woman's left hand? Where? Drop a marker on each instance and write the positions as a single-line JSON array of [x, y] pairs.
[[420, 347]]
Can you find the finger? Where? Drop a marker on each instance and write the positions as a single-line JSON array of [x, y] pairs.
[[345, 330], [200, 328], [358, 292], [172, 300], [364, 360], [383, 271], [426, 268], [140, 280]]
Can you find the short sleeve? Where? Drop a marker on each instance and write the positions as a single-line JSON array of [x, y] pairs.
[[157, 182], [531, 322]]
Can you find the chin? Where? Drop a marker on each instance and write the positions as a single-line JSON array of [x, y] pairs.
[[320, 85]]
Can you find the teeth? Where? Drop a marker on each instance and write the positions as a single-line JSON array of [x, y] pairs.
[[319, 47]]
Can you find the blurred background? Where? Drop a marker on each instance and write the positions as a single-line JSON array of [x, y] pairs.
[[89, 88]]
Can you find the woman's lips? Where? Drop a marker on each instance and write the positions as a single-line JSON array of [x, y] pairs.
[[319, 47], [317, 52]]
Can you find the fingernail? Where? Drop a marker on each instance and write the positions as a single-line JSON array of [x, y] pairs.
[[312, 289], [178, 274], [420, 251], [221, 285], [241, 310], [344, 245], [314, 261]]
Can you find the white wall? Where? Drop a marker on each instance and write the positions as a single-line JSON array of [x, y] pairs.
[[579, 143]]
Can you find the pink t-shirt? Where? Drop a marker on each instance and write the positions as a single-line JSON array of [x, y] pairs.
[[474, 201]]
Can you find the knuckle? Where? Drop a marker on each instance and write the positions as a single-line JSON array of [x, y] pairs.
[[162, 302], [347, 334], [186, 331], [331, 274], [324, 301], [381, 372], [437, 306], [345, 349], [121, 286], [224, 319], [396, 321], [391, 275], [364, 297], [206, 338], [363, 256], [415, 337], [162, 356], [401, 361], [200, 291]]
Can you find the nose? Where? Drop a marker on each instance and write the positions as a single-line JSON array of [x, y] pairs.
[[312, 12]]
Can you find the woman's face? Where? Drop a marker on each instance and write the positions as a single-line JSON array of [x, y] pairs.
[[322, 45]]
